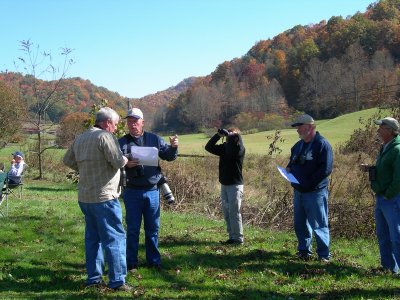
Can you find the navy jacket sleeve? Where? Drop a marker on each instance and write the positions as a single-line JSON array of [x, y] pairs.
[[166, 152]]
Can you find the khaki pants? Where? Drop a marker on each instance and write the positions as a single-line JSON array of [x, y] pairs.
[[231, 199]]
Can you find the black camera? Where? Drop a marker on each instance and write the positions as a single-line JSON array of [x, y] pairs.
[[223, 131], [165, 190], [372, 173], [137, 171], [299, 159], [122, 179]]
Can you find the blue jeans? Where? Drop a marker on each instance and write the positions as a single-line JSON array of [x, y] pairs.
[[104, 232], [311, 216], [146, 204], [387, 217], [231, 198]]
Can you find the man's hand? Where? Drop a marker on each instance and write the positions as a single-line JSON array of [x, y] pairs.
[[173, 140], [125, 160], [134, 162]]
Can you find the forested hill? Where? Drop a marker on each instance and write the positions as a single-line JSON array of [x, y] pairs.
[[326, 69], [79, 95]]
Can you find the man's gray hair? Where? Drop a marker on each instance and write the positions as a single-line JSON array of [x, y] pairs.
[[106, 113]]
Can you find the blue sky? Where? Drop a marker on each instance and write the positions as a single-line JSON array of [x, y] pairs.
[[137, 47]]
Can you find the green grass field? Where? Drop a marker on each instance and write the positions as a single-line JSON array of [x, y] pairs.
[[335, 130], [42, 248], [42, 257]]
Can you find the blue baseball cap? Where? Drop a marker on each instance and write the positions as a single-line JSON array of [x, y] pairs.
[[18, 153]]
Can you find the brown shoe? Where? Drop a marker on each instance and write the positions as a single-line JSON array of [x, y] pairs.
[[123, 288], [133, 269], [96, 285]]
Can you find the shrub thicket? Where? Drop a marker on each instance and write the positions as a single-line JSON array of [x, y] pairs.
[[268, 197]]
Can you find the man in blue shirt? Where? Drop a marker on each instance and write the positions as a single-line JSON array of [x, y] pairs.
[[311, 163], [141, 194]]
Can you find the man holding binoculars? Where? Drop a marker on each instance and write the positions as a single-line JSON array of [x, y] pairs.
[[231, 155]]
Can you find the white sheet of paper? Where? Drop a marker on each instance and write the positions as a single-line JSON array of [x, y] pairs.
[[147, 156], [288, 176]]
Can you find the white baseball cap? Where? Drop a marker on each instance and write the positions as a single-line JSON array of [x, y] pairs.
[[135, 113]]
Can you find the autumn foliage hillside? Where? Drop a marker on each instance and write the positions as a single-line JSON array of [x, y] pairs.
[[335, 67], [78, 95], [327, 69]]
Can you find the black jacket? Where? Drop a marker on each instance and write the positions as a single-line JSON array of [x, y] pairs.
[[231, 155]]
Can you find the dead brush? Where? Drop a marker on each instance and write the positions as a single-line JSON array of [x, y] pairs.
[[268, 198], [351, 201], [194, 183]]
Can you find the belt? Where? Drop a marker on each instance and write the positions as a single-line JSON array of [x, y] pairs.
[[141, 187]]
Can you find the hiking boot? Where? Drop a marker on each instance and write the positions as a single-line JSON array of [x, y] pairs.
[[324, 260], [231, 242], [95, 285], [133, 269], [303, 256], [123, 288]]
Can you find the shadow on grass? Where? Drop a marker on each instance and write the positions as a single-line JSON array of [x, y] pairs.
[[61, 281], [39, 277], [224, 272], [235, 272], [222, 262], [48, 189], [66, 279]]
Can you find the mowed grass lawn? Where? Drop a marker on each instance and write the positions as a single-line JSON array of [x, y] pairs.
[[335, 130], [42, 257]]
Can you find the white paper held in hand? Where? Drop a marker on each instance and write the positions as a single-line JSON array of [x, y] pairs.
[[288, 176], [148, 156]]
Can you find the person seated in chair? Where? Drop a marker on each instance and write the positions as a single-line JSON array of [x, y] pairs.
[[16, 169]]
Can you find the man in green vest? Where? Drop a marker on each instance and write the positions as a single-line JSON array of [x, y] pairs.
[[385, 182]]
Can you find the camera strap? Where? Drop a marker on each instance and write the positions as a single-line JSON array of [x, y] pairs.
[[301, 152], [140, 141]]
